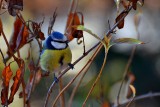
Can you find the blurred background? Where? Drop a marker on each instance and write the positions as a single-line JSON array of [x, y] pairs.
[[145, 67]]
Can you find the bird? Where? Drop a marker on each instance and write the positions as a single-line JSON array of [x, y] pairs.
[[56, 53]]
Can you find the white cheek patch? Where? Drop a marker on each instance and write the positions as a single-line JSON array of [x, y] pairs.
[[58, 45]]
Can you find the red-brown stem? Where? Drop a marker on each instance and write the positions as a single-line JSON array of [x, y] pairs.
[[97, 79], [78, 84], [3, 57], [62, 98], [142, 97], [23, 84], [125, 72]]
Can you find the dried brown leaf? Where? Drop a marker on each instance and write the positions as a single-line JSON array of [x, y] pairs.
[[14, 5], [119, 17], [74, 20], [134, 4], [6, 76], [37, 30], [17, 81], [19, 36]]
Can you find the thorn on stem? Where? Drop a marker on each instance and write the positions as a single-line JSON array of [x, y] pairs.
[[114, 31]]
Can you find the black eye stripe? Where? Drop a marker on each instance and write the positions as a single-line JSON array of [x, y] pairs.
[[60, 41]]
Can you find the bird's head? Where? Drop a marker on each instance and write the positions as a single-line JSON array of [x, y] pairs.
[[56, 41]]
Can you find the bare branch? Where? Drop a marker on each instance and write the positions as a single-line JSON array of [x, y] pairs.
[[52, 21], [3, 57], [149, 95]]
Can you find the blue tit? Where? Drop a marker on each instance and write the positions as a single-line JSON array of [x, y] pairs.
[[56, 54]]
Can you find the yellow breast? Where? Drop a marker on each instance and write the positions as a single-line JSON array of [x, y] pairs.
[[53, 59]]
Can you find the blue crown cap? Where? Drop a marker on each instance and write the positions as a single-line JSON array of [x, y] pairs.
[[57, 35]]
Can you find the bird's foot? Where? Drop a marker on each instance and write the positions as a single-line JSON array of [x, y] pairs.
[[56, 79], [71, 66]]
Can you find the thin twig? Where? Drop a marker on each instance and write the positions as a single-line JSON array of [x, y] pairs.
[[130, 102], [3, 12], [6, 41], [24, 93], [52, 21], [3, 57], [149, 95], [62, 100], [97, 79], [78, 84], [86, 65], [125, 72], [115, 25]]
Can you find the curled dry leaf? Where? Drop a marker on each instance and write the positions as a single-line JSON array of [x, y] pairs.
[[119, 17], [134, 94], [14, 6], [133, 90], [17, 81], [6, 76], [19, 37], [74, 20], [37, 30], [134, 4]]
